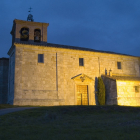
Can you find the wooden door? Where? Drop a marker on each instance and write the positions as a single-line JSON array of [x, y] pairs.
[[82, 95]]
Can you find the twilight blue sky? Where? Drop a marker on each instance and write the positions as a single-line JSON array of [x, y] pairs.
[[109, 25]]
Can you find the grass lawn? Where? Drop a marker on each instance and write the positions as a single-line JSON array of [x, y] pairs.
[[3, 106], [72, 123]]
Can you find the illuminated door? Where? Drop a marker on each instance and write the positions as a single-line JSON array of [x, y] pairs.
[[82, 95]]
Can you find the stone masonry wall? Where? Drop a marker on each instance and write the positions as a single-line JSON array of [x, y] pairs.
[[130, 65], [126, 93], [4, 65], [51, 83], [110, 90], [11, 78], [32, 26]]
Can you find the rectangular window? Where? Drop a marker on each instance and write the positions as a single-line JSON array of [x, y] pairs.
[[119, 65], [137, 89], [40, 58], [81, 61]]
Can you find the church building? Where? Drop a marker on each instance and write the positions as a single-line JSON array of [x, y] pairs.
[[46, 74]]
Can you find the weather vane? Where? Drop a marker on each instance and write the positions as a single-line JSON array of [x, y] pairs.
[[30, 16]]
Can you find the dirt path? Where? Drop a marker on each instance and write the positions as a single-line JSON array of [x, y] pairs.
[[10, 110]]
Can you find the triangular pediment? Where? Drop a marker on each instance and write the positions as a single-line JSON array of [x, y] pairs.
[[82, 77]]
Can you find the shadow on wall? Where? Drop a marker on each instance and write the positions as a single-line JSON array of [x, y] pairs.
[[10, 102], [96, 90], [110, 91]]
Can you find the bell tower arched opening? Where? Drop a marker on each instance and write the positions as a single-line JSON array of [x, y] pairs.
[[37, 35], [24, 34]]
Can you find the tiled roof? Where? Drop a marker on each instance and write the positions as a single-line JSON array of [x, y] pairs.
[[69, 47], [123, 78]]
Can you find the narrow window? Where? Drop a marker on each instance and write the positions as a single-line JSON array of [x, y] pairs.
[[137, 89], [40, 58], [37, 35], [24, 34], [119, 65], [81, 61]]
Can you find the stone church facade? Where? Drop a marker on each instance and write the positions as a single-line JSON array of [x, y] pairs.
[[47, 74]]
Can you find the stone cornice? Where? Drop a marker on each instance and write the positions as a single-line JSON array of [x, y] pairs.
[[30, 23]]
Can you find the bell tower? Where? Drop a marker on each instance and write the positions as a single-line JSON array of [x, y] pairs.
[[29, 32]]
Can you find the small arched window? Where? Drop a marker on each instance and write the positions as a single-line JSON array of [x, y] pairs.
[[37, 35], [24, 34]]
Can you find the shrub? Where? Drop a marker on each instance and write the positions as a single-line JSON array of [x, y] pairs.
[[101, 91]]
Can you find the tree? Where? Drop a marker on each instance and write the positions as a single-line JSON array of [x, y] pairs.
[[101, 91]]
